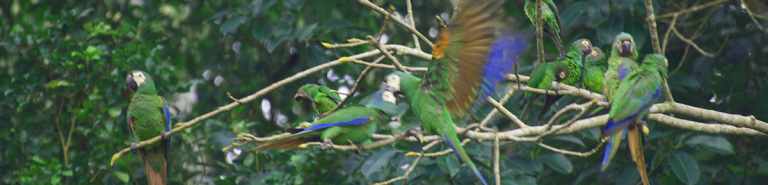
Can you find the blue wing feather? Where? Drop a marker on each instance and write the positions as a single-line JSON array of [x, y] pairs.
[[501, 60], [353, 122]]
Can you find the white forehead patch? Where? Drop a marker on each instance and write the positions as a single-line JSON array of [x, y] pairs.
[[138, 77], [393, 81], [389, 97]]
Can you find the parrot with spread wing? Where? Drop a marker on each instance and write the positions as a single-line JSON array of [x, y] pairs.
[[469, 61], [320, 98], [551, 18], [568, 70], [630, 104], [148, 116], [621, 63], [349, 125], [595, 67]]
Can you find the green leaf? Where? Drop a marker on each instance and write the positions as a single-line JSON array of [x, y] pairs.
[[53, 84], [122, 176], [518, 180], [717, 144], [377, 162], [67, 173], [685, 168], [231, 25], [557, 162]]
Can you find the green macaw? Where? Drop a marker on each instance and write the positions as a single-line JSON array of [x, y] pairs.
[[469, 60], [567, 70], [350, 125], [621, 62], [322, 99], [631, 102], [551, 18], [595, 67], [148, 116]]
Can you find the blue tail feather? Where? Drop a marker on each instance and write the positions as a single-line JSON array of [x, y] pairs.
[[454, 147]]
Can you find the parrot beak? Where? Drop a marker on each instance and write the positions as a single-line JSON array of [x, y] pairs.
[[626, 48], [300, 95], [587, 47], [131, 84]]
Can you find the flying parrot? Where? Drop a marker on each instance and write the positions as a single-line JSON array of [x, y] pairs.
[[350, 125], [621, 63], [551, 18], [468, 62], [595, 67], [148, 116], [322, 99], [567, 70], [631, 102]]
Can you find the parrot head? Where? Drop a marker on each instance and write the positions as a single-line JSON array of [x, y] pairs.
[[304, 92], [139, 81], [625, 45], [579, 48], [400, 82], [658, 62], [596, 55]]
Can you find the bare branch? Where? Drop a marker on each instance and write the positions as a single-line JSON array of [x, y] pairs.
[[413, 30], [500, 107], [691, 42], [692, 9]]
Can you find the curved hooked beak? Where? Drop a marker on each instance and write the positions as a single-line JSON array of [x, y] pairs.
[[300, 95], [130, 83], [626, 48]]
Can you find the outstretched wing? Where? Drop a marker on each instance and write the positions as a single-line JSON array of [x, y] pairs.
[[462, 52]]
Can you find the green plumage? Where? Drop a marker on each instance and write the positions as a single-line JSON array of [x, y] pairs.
[[321, 98], [621, 62], [567, 70], [595, 65], [146, 120], [551, 18], [630, 104]]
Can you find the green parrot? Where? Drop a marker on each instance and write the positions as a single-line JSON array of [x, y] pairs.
[[595, 67], [469, 60], [148, 116], [322, 99], [621, 62], [551, 20], [350, 125], [567, 70], [631, 102]]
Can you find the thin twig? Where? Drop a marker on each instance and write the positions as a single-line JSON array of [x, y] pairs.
[[350, 43], [692, 9], [506, 112], [405, 175], [539, 32], [493, 112], [692, 43], [573, 153], [409, 6], [394, 60], [496, 156], [380, 10], [357, 84]]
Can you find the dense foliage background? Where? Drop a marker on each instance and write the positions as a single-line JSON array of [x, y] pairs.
[[63, 65]]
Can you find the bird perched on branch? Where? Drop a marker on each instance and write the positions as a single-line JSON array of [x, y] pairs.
[[621, 62], [321, 99], [630, 104], [469, 60], [148, 116], [551, 17], [349, 125], [568, 70]]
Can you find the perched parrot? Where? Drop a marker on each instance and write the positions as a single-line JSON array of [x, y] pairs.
[[148, 116], [350, 125], [322, 99], [468, 62], [595, 67], [551, 18], [568, 70], [621, 62], [631, 102]]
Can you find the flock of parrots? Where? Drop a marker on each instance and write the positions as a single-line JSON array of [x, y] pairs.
[[470, 59]]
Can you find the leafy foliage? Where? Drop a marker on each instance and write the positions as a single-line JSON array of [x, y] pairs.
[[63, 65]]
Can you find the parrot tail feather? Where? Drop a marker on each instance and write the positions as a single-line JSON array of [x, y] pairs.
[[155, 168], [636, 150], [455, 144], [610, 149]]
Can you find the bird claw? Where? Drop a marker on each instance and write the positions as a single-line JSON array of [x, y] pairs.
[[327, 144], [134, 147]]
